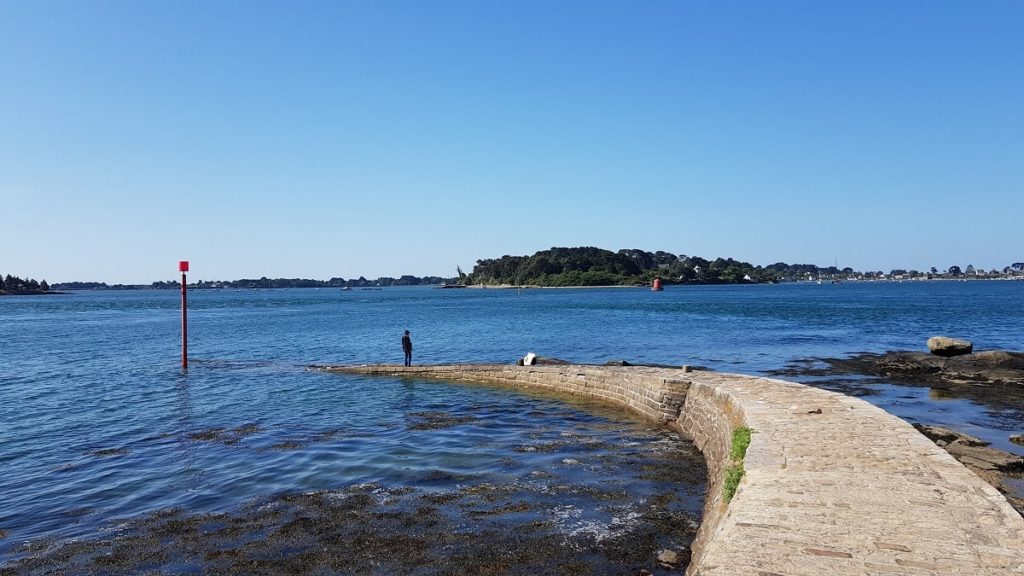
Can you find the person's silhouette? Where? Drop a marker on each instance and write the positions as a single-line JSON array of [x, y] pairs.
[[407, 348]]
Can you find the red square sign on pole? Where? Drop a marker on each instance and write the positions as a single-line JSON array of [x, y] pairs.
[[183, 267]]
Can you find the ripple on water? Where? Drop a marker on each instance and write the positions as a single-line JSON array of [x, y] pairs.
[[484, 461], [93, 374]]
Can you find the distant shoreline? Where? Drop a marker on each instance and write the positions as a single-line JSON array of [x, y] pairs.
[[538, 287], [648, 286], [120, 288]]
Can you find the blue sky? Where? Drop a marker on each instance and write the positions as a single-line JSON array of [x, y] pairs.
[[347, 138]]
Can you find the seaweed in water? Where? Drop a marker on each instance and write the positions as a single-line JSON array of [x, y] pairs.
[[436, 420]]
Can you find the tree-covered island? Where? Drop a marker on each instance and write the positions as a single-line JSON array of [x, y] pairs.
[[589, 266]]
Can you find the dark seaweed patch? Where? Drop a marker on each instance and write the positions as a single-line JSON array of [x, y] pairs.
[[109, 452], [435, 420]]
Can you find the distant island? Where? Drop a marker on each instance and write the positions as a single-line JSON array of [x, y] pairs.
[[564, 267], [589, 266]]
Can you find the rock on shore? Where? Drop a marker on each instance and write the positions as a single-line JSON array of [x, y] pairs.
[[971, 451], [989, 367], [946, 346], [994, 378]]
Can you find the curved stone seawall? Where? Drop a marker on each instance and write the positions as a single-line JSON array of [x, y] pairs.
[[833, 485]]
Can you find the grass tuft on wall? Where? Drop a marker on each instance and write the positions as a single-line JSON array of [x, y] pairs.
[[737, 452]]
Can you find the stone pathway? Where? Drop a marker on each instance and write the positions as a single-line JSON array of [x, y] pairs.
[[852, 490]]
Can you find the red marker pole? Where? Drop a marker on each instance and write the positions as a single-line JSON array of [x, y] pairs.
[[183, 267]]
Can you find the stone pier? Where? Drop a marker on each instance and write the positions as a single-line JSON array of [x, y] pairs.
[[833, 486]]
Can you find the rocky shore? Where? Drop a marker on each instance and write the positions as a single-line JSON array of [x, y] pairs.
[[990, 368], [994, 378], [991, 378]]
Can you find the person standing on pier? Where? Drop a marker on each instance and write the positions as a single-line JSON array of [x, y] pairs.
[[407, 348]]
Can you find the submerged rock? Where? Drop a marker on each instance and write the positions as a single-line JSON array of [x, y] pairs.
[[669, 558], [946, 346]]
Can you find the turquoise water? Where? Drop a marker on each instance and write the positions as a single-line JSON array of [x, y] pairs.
[[98, 423]]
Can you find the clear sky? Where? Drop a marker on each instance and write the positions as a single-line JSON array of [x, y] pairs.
[[347, 138]]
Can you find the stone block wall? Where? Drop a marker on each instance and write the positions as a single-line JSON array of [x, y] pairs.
[[647, 393], [708, 418]]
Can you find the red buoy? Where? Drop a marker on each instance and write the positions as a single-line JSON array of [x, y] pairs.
[[656, 286]]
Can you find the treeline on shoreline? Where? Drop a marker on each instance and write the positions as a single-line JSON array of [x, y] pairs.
[[590, 266], [556, 267], [14, 285], [262, 283]]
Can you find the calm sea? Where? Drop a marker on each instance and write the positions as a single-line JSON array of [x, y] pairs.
[[98, 424]]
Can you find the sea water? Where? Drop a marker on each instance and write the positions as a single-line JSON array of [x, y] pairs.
[[98, 424]]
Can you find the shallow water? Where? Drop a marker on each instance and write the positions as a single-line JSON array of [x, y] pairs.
[[582, 470], [98, 423]]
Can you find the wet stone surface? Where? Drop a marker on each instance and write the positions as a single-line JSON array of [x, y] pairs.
[[580, 496]]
